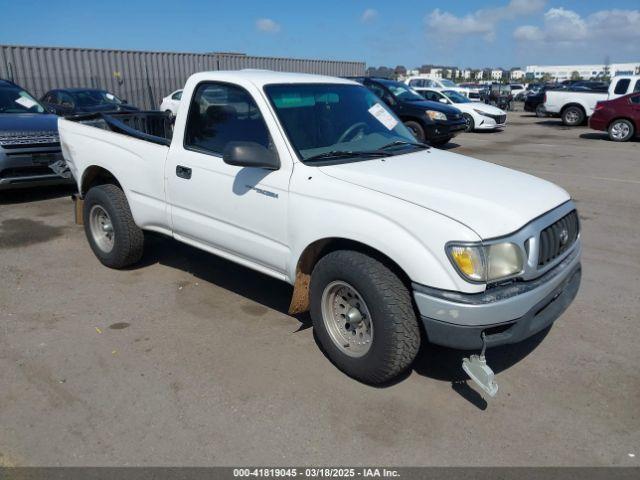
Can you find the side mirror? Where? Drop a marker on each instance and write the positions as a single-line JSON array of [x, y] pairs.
[[250, 154]]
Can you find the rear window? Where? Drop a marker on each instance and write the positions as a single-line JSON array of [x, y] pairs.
[[637, 87], [622, 86]]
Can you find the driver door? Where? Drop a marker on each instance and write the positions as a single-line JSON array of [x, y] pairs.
[[237, 212]]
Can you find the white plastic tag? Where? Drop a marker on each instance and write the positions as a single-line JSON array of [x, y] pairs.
[[26, 102], [383, 116]]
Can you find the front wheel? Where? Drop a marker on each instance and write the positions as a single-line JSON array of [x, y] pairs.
[[416, 129], [363, 316], [621, 130], [573, 116], [112, 234], [471, 125]]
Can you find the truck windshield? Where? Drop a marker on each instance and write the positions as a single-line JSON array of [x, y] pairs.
[[15, 100], [321, 119]]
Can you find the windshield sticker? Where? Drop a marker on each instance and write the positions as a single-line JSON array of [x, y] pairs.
[[383, 116], [26, 102]]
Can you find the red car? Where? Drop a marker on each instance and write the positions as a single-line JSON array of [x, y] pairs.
[[619, 117]]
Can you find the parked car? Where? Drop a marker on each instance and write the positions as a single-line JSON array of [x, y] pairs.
[[620, 117], [517, 90], [477, 115], [576, 105], [417, 82], [29, 144], [430, 122], [71, 101], [314, 181], [474, 90], [534, 101], [171, 102]]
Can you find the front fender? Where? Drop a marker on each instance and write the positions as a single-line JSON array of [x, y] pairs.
[[412, 236]]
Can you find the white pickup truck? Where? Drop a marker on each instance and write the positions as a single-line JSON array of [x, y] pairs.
[[314, 181], [575, 106]]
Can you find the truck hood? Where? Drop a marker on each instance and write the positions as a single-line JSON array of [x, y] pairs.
[[28, 122], [490, 199]]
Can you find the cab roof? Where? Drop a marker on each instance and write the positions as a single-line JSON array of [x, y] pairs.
[[267, 77]]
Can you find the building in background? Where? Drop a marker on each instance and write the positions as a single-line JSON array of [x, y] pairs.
[[142, 78], [516, 74], [579, 72]]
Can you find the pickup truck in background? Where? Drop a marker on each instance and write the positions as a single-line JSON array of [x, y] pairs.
[[574, 105], [314, 181]]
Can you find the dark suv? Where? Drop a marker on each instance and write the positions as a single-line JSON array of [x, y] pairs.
[[29, 144], [429, 121]]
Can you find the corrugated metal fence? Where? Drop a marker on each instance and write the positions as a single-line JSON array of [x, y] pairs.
[[142, 78]]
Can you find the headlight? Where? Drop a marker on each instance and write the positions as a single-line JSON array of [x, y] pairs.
[[480, 112], [486, 263], [433, 115]]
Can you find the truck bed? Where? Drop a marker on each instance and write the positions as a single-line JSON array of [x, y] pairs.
[[150, 126]]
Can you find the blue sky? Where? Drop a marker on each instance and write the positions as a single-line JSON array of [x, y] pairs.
[[495, 33]]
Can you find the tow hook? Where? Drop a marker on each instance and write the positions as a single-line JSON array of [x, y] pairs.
[[476, 367]]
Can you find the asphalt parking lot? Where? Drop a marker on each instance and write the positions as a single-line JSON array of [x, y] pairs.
[[191, 360]]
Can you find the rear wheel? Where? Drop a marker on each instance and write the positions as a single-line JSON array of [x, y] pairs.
[[621, 130], [573, 116], [112, 234], [416, 129], [540, 111], [363, 316]]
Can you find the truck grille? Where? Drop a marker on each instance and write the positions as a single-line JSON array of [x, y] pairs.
[[558, 238], [11, 140]]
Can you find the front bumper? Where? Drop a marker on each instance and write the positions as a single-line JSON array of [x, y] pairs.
[[506, 314], [488, 123], [30, 167], [440, 129], [597, 123]]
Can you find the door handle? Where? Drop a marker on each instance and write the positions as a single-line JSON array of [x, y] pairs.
[[183, 172]]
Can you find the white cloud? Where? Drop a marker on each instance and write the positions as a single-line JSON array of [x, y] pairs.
[[267, 25], [567, 28], [369, 15], [447, 26]]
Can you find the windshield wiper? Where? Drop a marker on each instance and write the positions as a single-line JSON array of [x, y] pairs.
[[404, 143], [347, 154]]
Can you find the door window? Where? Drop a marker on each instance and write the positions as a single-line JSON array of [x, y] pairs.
[[622, 86], [177, 95], [637, 87], [222, 113], [379, 91], [431, 95]]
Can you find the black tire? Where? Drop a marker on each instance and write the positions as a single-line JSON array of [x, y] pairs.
[[128, 238], [618, 127], [440, 142], [573, 116], [471, 125], [540, 111], [416, 129], [396, 335]]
